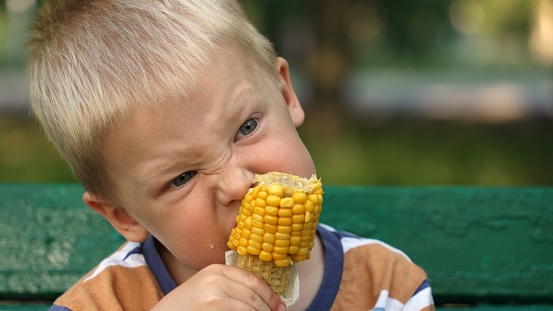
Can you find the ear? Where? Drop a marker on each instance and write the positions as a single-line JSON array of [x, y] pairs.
[[126, 225], [294, 107]]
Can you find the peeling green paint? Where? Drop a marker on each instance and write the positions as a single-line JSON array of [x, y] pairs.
[[477, 244]]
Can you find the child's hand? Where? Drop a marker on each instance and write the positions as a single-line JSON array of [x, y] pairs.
[[220, 287]]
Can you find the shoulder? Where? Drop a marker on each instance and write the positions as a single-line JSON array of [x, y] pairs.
[[122, 279], [351, 245], [381, 273]]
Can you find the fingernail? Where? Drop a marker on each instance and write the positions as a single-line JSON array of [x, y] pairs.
[[282, 307]]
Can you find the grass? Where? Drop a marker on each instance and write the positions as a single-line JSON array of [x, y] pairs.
[[401, 152]]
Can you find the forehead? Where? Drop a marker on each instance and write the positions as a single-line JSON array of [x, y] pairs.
[[226, 90]]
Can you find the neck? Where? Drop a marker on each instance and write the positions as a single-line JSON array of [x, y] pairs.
[[177, 270]]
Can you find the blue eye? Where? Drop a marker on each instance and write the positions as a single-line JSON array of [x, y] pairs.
[[182, 179], [247, 128]]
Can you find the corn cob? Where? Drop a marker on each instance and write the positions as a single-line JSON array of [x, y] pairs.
[[276, 226]]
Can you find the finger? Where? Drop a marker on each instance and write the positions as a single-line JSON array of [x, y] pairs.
[[259, 293]]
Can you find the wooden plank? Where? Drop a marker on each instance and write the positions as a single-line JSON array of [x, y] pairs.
[[49, 239], [17, 306], [477, 244]]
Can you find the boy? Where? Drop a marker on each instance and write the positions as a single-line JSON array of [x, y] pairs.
[[165, 110]]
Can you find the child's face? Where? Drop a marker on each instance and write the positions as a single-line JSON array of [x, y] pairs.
[[181, 172]]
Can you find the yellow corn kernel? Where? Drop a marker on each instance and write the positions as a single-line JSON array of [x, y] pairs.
[[276, 190], [257, 231], [257, 217], [265, 255], [271, 228], [285, 221], [246, 233], [282, 243], [254, 244], [279, 256], [272, 220], [256, 238], [299, 197], [251, 206], [303, 251], [298, 219], [268, 246], [257, 224], [262, 195], [260, 202], [282, 262], [242, 250], [269, 238], [314, 198], [297, 227], [258, 210], [271, 210], [278, 218], [295, 240], [284, 212], [286, 202], [254, 251], [298, 209], [255, 192], [248, 223], [243, 242], [273, 200], [284, 229], [282, 236], [283, 250], [309, 206]]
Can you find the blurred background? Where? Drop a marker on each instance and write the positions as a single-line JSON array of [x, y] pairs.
[[428, 92]]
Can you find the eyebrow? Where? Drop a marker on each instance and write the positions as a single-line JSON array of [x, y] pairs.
[[245, 95], [158, 170]]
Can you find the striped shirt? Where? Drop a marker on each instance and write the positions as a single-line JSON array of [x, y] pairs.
[[360, 274]]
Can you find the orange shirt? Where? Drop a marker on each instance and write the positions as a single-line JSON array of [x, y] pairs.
[[360, 274]]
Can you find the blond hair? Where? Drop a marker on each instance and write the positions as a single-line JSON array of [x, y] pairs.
[[91, 61]]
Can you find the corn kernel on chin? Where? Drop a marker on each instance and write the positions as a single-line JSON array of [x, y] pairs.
[[276, 226]]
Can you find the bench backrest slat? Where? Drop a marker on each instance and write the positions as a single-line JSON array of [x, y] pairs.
[[478, 244]]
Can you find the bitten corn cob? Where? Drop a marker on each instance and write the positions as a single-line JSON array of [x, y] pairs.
[[276, 226]]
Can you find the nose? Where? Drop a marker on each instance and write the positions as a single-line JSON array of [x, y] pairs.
[[234, 184]]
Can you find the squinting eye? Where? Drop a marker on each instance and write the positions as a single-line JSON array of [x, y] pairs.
[[182, 179], [247, 128]]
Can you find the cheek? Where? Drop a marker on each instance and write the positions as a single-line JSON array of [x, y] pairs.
[[199, 239], [289, 156]]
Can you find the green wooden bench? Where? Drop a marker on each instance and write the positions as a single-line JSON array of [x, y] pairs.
[[484, 248]]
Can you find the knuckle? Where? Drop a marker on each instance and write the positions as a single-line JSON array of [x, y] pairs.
[[257, 302]]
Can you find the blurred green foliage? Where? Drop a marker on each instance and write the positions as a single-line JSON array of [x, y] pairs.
[[368, 34], [418, 152], [371, 32], [396, 153], [26, 155]]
